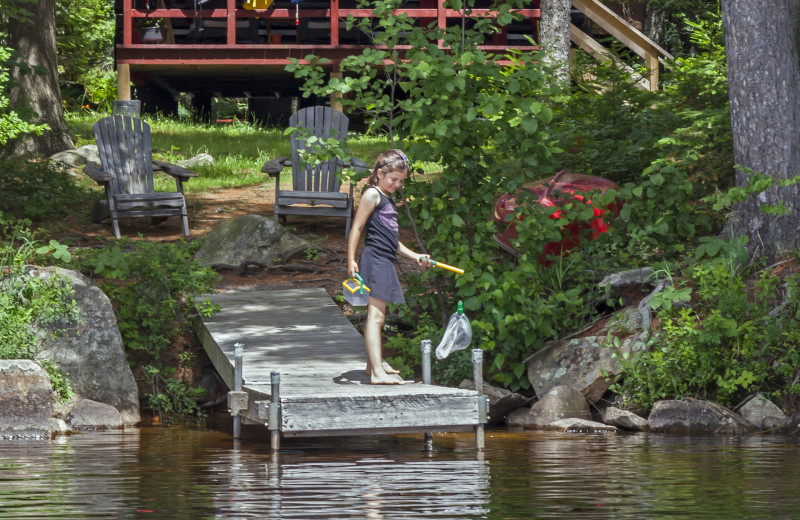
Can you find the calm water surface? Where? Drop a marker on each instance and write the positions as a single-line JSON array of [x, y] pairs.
[[196, 473]]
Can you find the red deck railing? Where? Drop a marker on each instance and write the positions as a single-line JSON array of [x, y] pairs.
[[279, 21]]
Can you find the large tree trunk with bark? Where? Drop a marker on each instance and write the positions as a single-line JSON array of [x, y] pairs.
[[654, 21], [36, 42], [761, 42], [554, 35]]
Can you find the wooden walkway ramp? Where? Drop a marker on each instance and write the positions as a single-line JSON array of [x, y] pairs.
[[302, 335]]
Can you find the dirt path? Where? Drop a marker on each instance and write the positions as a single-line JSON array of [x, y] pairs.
[[207, 210]]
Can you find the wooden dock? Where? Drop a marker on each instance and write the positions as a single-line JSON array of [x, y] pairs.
[[302, 336]]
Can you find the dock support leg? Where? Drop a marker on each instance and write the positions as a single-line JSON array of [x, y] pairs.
[[477, 375], [274, 412], [426, 379], [238, 355]]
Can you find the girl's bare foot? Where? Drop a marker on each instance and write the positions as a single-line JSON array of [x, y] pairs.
[[386, 379], [386, 368]]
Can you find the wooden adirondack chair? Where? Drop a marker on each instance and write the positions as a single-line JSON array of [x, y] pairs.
[[126, 174], [315, 190]]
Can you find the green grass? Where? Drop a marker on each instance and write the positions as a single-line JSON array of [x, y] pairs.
[[239, 150]]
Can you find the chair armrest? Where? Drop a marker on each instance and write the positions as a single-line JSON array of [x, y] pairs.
[[358, 165], [174, 170], [276, 166], [95, 171]]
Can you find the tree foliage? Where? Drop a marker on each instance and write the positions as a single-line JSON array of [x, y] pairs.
[[85, 42], [493, 122]]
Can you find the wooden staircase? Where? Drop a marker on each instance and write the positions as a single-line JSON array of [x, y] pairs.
[[628, 35]]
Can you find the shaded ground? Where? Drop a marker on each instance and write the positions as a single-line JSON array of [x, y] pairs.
[[206, 210]]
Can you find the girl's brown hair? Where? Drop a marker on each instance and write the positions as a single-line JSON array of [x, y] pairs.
[[390, 161]]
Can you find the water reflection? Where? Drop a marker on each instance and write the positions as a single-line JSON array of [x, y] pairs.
[[201, 473]]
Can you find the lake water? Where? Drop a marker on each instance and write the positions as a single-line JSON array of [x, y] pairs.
[[196, 473]]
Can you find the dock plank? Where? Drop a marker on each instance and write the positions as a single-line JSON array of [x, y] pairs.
[[303, 335]]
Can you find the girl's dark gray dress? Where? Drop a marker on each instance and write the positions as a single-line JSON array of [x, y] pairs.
[[376, 264]]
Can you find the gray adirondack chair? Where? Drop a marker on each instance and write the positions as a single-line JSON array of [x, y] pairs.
[[315, 189], [126, 174]]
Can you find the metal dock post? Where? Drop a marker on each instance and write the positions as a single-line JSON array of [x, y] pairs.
[[237, 399], [274, 422], [477, 375], [426, 379]]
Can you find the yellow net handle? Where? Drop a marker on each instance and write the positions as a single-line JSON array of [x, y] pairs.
[[434, 263]]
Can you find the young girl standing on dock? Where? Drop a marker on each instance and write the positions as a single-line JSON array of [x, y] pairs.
[[377, 214]]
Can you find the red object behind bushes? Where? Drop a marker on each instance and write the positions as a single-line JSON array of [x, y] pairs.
[[571, 186]]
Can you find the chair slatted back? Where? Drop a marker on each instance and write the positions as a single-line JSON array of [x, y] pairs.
[[323, 122], [125, 151]]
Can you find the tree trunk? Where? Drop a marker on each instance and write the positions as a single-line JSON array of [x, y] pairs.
[[36, 42], [761, 41], [654, 22], [554, 35]]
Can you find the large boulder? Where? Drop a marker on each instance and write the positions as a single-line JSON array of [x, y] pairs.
[[696, 417], [561, 402], [501, 401], [26, 400], [91, 415], [91, 352], [587, 362], [250, 238], [762, 412]]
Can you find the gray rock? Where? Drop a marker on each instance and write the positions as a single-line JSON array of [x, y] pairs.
[[696, 417], [762, 412], [91, 415], [579, 426], [201, 159], [26, 400], [630, 278], [625, 420], [250, 238], [629, 286], [586, 362], [91, 352], [792, 425], [519, 417], [59, 426], [561, 402], [78, 156], [501, 401]]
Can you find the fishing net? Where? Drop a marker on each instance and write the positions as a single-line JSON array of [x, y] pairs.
[[457, 335]]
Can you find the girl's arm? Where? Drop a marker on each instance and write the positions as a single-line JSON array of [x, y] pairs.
[[417, 257], [369, 201]]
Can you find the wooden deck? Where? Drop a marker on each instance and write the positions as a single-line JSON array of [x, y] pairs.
[[302, 335]]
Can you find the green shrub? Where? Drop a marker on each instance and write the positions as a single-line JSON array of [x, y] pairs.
[[38, 191], [28, 302], [727, 343], [152, 287]]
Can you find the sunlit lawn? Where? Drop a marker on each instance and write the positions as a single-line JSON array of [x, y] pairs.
[[239, 149]]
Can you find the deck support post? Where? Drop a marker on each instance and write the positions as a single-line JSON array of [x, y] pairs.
[[238, 355], [477, 376], [123, 81], [274, 411], [426, 379]]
